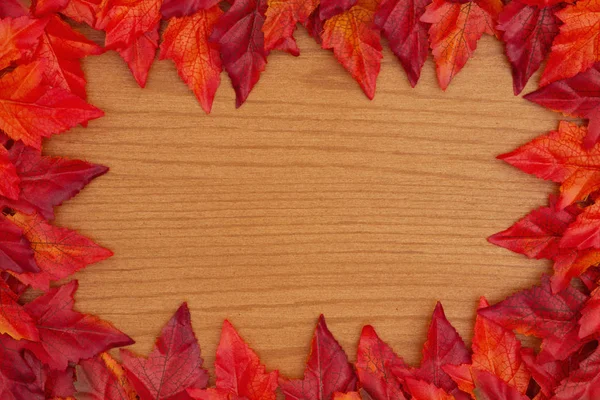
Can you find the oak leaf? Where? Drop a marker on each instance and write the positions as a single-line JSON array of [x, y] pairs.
[[281, 18], [102, 378]]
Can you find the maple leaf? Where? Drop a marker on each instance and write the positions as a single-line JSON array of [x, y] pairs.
[[83, 11], [14, 321], [356, 44], [584, 232], [31, 110], [583, 383], [126, 20], [19, 38], [185, 41], [59, 53], [15, 250], [9, 185], [528, 32], [421, 390], [330, 8], [173, 366], [67, 335], [560, 157], [281, 18], [17, 379], [102, 378], [327, 369], [41, 8], [140, 55], [491, 387], [56, 384], [400, 23], [578, 96], [239, 372], [183, 8], [590, 316], [540, 313], [314, 25], [12, 9], [59, 252], [456, 28], [577, 46], [241, 39], [379, 369]]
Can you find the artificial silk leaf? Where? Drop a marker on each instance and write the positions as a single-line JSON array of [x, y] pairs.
[[102, 378], [59, 252], [12, 9], [281, 18], [590, 316], [126, 20], [331, 8], [239, 372], [577, 46], [456, 28], [9, 182], [47, 182], [560, 157], [41, 8], [348, 396], [540, 313], [15, 250], [185, 41], [30, 110], [60, 51], [84, 11], [173, 366], [400, 23], [528, 32], [490, 387], [584, 232], [314, 25], [140, 55], [18, 38], [14, 321], [183, 8], [327, 369], [56, 384], [578, 96], [241, 39], [67, 335], [571, 264], [356, 43], [421, 390], [443, 347], [380, 371], [583, 383], [17, 380]]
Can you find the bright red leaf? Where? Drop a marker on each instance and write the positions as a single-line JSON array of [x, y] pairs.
[[584, 232], [330, 8], [490, 387], [126, 20], [14, 321], [41, 8], [84, 11], [102, 378], [12, 9], [15, 250], [9, 184], [421, 390], [590, 316], [281, 18], [18, 39], [186, 42], [327, 369], [173, 366], [184, 8], [140, 55]]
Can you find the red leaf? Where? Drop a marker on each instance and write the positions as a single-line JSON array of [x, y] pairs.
[[239, 372], [422, 390], [584, 232], [327, 369], [330, 8], [185, 41], [490, 387], [400, 22], [456, 28], [15, 250], [19, 38], [281, 18], [102, 378], [31, 110], [59, 252], [83, 11], [528, 35], [126, 20], [173, 366], [55, 383], [314, 25], [140, 55], [348, 396], [356, 43], [590, 316], [184, 8], [540, 313], [67, 335], [42, 8], [444, 346], [17, 380], [379, 369], [582, 384], [241, 39], [14, 321], [9, 182], [12, 9]]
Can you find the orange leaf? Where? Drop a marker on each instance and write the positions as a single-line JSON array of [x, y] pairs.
[[456, 28], [347, 396], [9, 180], [102, 377], [422, 390], [18, 38], [356, 43], [126, 20], [140, 55], [185, 41], [280, 23]]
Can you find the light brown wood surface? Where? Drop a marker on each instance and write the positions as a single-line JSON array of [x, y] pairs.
[[308, 199]]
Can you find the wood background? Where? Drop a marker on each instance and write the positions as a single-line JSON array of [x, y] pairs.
[[308, 199]]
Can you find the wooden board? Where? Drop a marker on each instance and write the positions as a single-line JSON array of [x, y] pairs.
[[308, 199]]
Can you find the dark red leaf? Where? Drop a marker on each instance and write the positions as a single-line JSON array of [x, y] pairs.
[[102, 378], [14, 320], [584, 383], [490, 387], [15, 250], [12, 9], [17, 380], [183, 8], [330, 8]]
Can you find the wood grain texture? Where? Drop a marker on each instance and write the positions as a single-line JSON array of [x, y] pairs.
[[308, 199]]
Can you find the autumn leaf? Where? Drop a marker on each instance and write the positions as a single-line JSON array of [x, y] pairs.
[[17, 380], [140, 55], [527, 32], [31, 110], [41, 8], [9, 184], [173, 366], [590, 316], [583, 383], [348, 396], [400, 23], [584, 232], [184, 8], [102, 378], [281, 18], [19, 38], [56, 384], [59, 252], [14, 321], [356, 44], [577, 46], [126, 20], [314, 25], [12, 9], [490, 387], [421, 390], [15, 250], [456, 27], [241, 39], [67, 335], [327, 369], [186, 42], [330, 8], [83, 11], [577, 96]]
